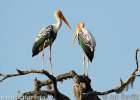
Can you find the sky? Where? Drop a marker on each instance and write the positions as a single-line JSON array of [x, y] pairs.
[[113, 23]]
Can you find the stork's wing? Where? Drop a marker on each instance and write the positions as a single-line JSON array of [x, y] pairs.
[[91, 39], [87, 42], [43, 32], [42, 36]]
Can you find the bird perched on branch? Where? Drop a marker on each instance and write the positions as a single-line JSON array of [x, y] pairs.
[[47, 36], [87, 42]]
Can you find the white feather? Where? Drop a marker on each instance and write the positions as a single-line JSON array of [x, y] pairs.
[[89, 37]]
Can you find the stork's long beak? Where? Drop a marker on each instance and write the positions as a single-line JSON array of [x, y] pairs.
[[75, 35], [63, 18]]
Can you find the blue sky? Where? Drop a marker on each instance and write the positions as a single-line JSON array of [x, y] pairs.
[[114, 24]]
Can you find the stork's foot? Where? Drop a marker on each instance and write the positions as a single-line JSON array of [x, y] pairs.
[[51, 73], [83, 74]]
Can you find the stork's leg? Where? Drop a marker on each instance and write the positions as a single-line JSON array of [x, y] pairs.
[[87, 66], [50, 59], [43, 57], [83, 63]]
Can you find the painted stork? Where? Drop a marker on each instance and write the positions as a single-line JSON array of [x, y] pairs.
[[88, 44], [47, 36]]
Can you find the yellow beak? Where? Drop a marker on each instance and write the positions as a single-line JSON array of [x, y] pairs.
[[75, 35], [63, 18]]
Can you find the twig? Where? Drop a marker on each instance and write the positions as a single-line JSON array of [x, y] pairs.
[[137, 64], [138, 75], [2, 75], [37, 85]]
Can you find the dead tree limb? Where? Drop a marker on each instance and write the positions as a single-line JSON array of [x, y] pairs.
[[60, 78], [19, 73], [82, 86]]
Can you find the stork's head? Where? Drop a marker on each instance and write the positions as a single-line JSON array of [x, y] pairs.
[[58, 14], [79, 26]]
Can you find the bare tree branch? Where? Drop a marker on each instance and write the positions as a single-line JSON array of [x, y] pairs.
[[82, 87], [61, 77], [19, 73]]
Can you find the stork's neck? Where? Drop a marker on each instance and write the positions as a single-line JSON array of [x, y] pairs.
[[57, 25]]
